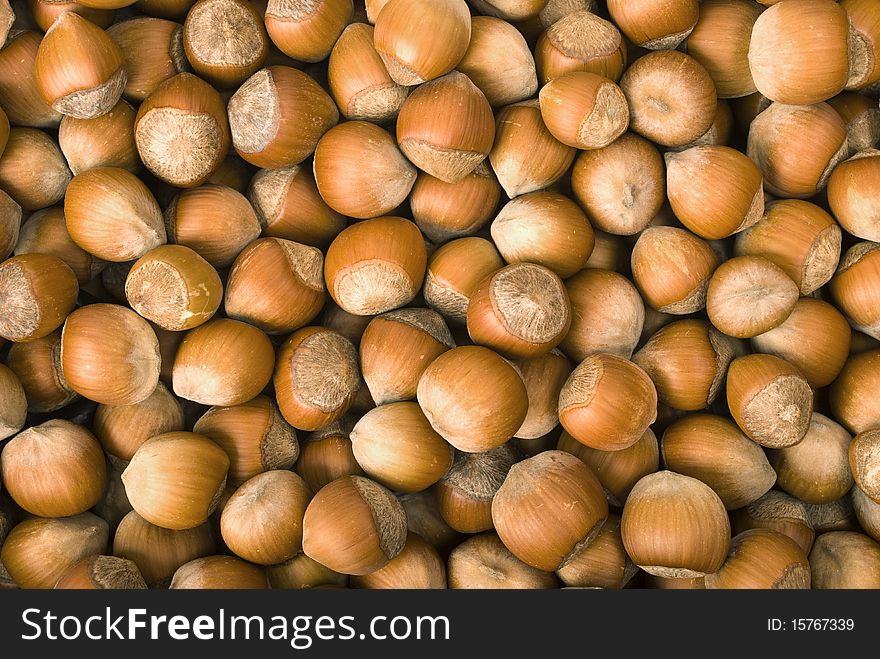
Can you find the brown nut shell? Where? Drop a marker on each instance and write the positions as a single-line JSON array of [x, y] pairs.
[[533, 512], [492, 412], [675, 526], [587, 409]]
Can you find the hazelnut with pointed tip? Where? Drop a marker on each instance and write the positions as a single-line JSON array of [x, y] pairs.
[[354, 526], [549, 507], [175, 479], [675, 526], [79, 69]]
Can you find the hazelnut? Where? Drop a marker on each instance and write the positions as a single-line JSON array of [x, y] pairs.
[[761, 558], [307, 32], [453, 273], [302, 572], [580, 41], [586, 407], [853, 286], [414, 55], [546, 229], [46, 12], [105, 141], [278, 115], [499, 62], [852, 194], [544, 376], [864, 44], [621, 186], [10, 224], [214, 221], [835, 516], [584, 110], [799, 237], [102, 573], [38, 551], [815, 338], [510, 10], [607, 314], [844, 559], [671, 97], [13, 403], [37, 364], [418, 566], [816, 470], [360, 171], [796, 147], [601, 564], [327, 454], [867, 511], [316, 377], [22, 100], [712, 449], [79, 69], [396, 446], [655, 24], [852, 396], [111, 214], [445, 127], [862, 119], [55, 469], [749, 295], [254, 435], [358, 80], [175, 479], [45, 232], [864, 462], [715, 191], [493, 410], [782, 34], [769, 399], [779, 512], [525, 156], [549, 507], [219, 572], [181, 130], [376, 266], [288, 206], [262, 522], [675, 526], [450, 210], [152, 49], [225, 40], [687, 360], [37, 292], [109, 354], [276, 285], [397, 347], [158, 552], [174, 287], [720, 42], [33, 171], [354, 526], [465, 492], [223, 362], [672, 268], [618, 470], [521, 311], [122, 429], [483, 562]]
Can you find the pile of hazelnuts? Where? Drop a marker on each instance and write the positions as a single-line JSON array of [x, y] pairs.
[[435, 293]]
